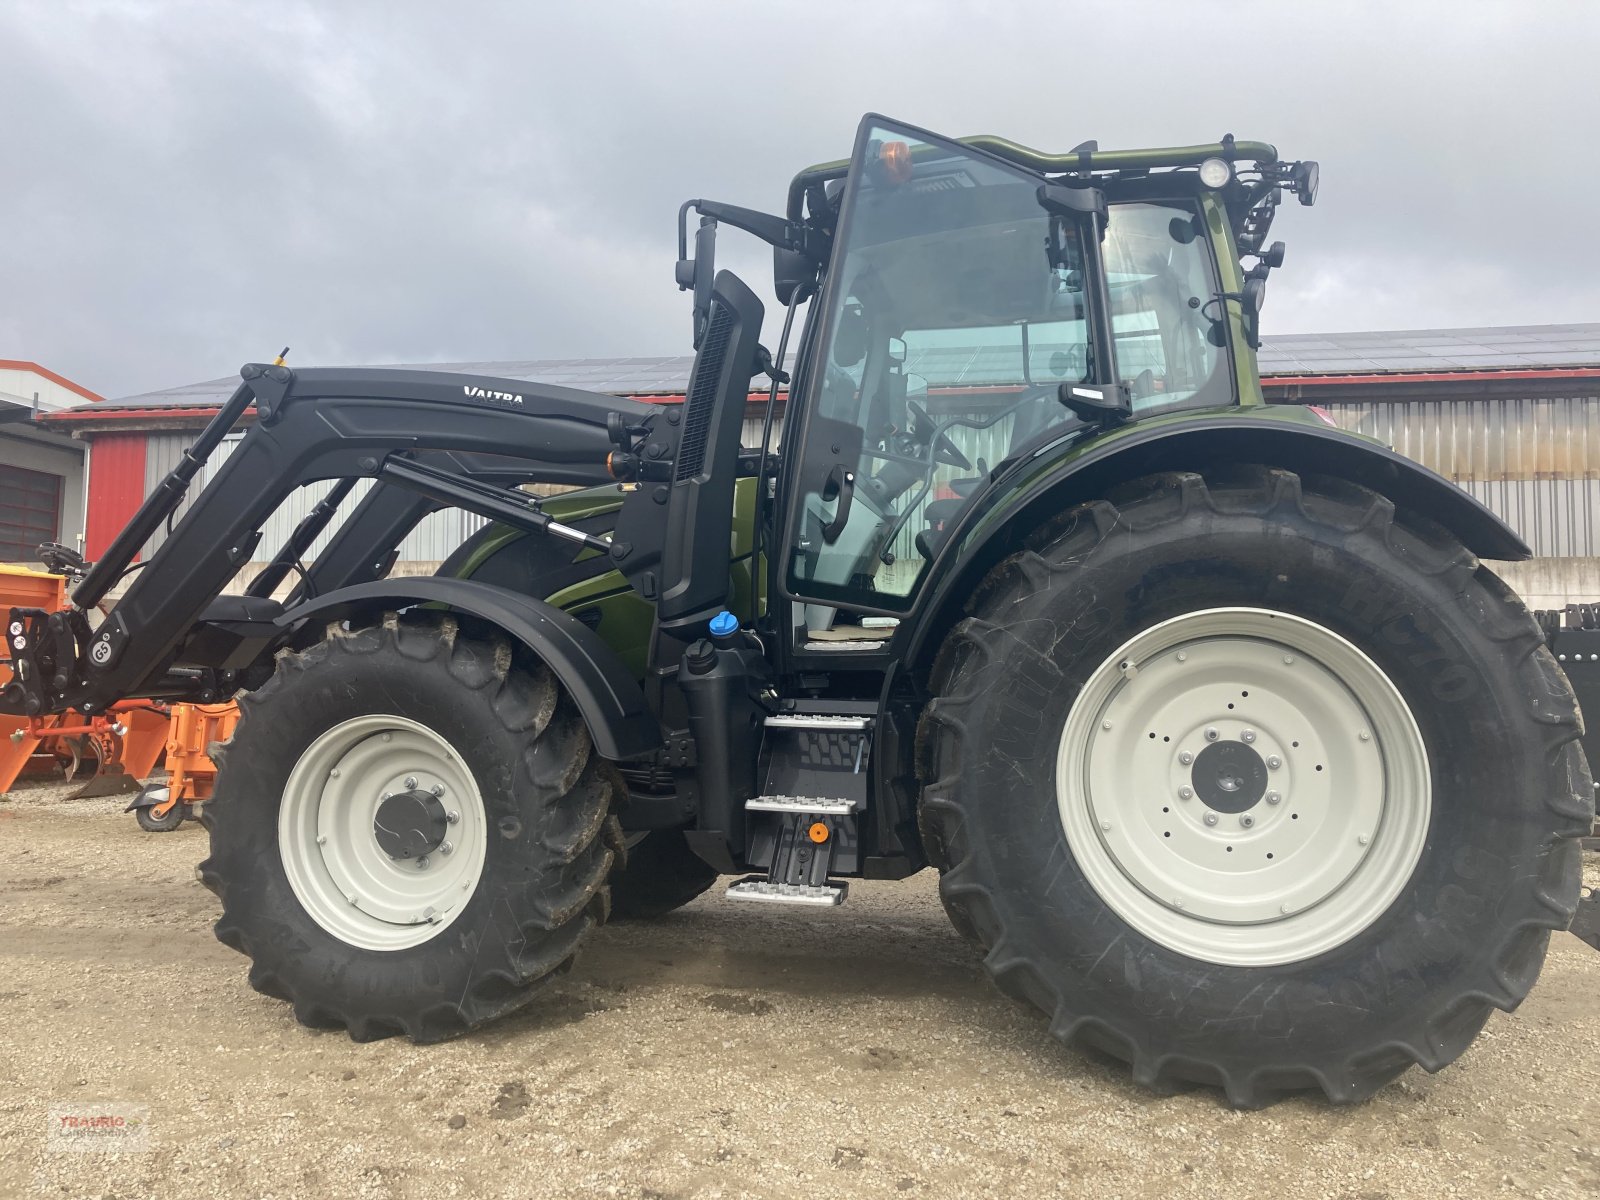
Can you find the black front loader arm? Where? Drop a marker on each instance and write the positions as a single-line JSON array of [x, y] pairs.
[[312, 425]]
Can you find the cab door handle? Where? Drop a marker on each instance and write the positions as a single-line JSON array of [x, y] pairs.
[[840, 486]]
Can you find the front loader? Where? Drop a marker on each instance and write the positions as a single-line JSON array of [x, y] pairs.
[[1233, 757]]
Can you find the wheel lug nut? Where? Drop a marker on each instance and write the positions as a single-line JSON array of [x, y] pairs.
[[1364, 736], [1211, 818], [1273, 797], [1249, 735], [411, 783], [437, 789], [1273, 762], [1184, 793], [1246, 821], [1211, 734], [422, 863], [1186, 758], [445, 847], [1105, 724], [333, 774], [452, 816]]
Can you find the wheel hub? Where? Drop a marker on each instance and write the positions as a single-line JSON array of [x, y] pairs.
[[382, 832], [1229, 777], [1243, 786], [410, 824]]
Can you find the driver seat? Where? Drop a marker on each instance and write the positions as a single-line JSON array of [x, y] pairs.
[[940, 516]]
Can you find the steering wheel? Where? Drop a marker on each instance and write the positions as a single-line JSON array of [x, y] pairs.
[[944, 450]]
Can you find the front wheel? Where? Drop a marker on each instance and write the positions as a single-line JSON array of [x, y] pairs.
[[1249, 783], [410, 831]]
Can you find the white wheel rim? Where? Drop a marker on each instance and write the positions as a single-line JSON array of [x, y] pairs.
[[1175, 844], [338, 870]]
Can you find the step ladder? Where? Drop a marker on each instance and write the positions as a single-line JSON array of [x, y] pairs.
[[763, 891], [804, 828]]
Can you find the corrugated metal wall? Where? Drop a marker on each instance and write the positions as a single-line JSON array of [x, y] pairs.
[[119, 479], [1534, 462], [431, 541]]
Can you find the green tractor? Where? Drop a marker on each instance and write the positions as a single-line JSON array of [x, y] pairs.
[[1235, 760]]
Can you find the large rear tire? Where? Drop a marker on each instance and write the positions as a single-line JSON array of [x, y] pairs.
[[1252, 784], [410, 832]]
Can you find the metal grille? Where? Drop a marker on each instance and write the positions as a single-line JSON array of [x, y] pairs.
[[702, 397]]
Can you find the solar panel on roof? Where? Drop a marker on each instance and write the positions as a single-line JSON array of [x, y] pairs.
[[1353, 352]]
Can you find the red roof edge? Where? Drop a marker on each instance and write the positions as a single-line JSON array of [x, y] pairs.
[[22, 364], [1468, 376], [206, 412]]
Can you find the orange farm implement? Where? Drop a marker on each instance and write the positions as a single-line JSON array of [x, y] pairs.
[[111, 751], [162, 807]]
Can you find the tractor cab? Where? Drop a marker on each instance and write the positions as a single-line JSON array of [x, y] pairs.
[[975, 305]]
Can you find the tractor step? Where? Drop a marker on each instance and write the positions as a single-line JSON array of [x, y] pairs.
[[763, 891], [817, 721], [801, 804]]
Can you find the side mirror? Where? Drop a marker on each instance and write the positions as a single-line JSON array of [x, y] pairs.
[[792, 275], [1251, 299], [697, 273]]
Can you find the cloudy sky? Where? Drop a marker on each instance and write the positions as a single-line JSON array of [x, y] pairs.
[[191, 186]]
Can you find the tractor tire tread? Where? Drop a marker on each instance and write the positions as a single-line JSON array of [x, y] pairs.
[[1527, 918], [562, 788]]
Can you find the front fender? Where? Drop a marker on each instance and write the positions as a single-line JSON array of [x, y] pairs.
[[610, 699], [1283, 436]]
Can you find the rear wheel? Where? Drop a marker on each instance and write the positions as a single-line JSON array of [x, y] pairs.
[[410, 832], [1250, 784]]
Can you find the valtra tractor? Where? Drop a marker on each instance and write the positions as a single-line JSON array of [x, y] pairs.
[[1234, 759]]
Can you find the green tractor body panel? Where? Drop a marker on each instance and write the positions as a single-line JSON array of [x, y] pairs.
[[601, 597]]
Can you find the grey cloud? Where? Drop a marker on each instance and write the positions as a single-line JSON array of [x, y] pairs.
[[192, 185]]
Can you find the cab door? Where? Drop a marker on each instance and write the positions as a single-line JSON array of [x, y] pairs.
[[953, 310]]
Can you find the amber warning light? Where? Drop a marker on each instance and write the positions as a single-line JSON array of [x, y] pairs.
[[895, 159]]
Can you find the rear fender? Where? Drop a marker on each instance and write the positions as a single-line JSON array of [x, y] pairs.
[[612, 704], [1285, 436]]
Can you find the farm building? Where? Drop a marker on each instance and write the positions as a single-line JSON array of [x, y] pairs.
[[1511, 414], [42, 467]]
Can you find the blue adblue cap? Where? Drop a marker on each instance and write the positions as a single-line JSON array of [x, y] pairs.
[[724, 624]]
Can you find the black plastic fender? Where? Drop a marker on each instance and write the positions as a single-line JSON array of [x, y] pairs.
[[610, 699], [1027, 492]]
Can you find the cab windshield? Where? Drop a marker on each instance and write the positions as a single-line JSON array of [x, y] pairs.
[[955, 312]]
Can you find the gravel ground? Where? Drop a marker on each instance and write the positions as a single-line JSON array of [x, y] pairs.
[[718, 1052]]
